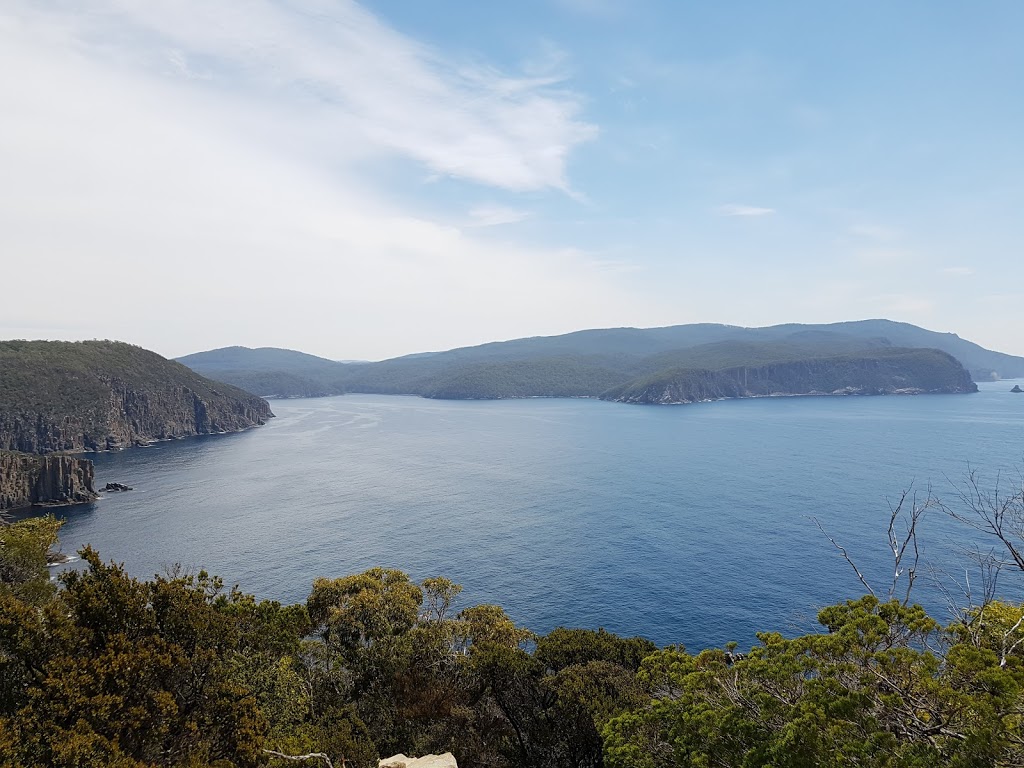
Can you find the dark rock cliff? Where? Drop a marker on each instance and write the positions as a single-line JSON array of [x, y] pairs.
[[96, 396], [54, 479], [894, 372]]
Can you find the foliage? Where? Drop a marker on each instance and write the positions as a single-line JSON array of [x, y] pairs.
[[24, 550], [60, 395], [179, 672], [869, 372], [885, 686]]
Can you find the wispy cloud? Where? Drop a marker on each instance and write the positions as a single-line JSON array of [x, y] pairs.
[[733, 209], [376, 86], [493, 215], [957, 271], [224, 158]]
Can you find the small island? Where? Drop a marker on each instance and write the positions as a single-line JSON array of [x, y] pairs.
[[1017, 389]]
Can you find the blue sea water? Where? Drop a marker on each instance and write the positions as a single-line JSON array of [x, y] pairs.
[[687, 524]]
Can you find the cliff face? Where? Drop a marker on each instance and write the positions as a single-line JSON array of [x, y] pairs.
[[130, 417], [96, 396], [55, 479], [898, 372]]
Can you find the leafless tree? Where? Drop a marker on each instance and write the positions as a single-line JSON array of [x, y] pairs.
[[302, 758], [998, 512], [904, 517]]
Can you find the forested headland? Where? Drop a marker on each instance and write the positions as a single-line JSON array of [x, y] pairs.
[[103, 669], [59, 397]]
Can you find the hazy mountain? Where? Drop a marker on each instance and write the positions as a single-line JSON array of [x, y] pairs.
[[270, 372], [584, 363]]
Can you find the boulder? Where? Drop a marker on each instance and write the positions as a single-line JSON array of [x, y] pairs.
[[447, 760]]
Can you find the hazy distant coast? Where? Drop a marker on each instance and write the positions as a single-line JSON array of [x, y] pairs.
[[869, 357]]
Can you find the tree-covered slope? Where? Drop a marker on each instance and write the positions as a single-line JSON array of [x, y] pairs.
[[884, 371], [584, 363], [99, 395], [178, 672], [270, 372], [548, 377], [645, 342]]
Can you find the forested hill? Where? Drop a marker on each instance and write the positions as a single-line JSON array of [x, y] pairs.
[[270, 372], [100, 395], [591, 363], [889, 371]]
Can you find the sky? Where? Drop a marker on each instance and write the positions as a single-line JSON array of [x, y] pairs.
[[365, 180]]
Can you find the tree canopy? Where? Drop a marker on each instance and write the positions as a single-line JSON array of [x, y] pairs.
[[179, 672]]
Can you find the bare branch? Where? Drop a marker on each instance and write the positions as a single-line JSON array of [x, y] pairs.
[[300, 758], [838, 546], [994, 512]]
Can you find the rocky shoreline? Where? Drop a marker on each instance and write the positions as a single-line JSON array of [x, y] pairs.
[[53, 480]]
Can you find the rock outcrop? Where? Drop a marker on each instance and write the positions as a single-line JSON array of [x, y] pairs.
[[1016, 389], [447, 760], [53, 479]]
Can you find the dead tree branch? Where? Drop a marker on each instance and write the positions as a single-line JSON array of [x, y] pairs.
[[301, 758]]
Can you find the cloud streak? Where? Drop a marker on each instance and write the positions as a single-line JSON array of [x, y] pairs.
[[198, 177], [376, 87], [733, 209], [494, 215]]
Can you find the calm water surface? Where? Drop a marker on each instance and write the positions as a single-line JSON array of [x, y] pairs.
[[686, 524]]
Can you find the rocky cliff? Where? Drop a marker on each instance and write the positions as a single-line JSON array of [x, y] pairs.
[[101, 395], [54, 479], [898, 371]]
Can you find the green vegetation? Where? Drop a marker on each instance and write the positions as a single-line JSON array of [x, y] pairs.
[[270, 372], [873, 372], [57, 395], [590, 363], [109, 670]]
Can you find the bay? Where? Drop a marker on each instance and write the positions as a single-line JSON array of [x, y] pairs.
[[686, 524]]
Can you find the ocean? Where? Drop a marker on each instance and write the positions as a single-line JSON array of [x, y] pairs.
[[686, 524]]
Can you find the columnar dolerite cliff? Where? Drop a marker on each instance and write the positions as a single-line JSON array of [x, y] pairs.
[[54, 479], [102, 395], [893, 371]]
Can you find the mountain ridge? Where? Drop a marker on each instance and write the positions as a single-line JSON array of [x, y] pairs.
[[584, 363]]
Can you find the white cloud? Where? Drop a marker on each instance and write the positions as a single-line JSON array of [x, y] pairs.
[[376, 86], [493, 215], [192, 175], [732, 209], [957, 271]]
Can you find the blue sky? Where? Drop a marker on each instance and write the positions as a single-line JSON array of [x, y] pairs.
[[368, 180]]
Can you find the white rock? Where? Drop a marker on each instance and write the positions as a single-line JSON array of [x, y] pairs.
[[447, 760]]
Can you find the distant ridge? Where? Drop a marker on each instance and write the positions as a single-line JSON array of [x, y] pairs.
[[269, 371], [590, 363]]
